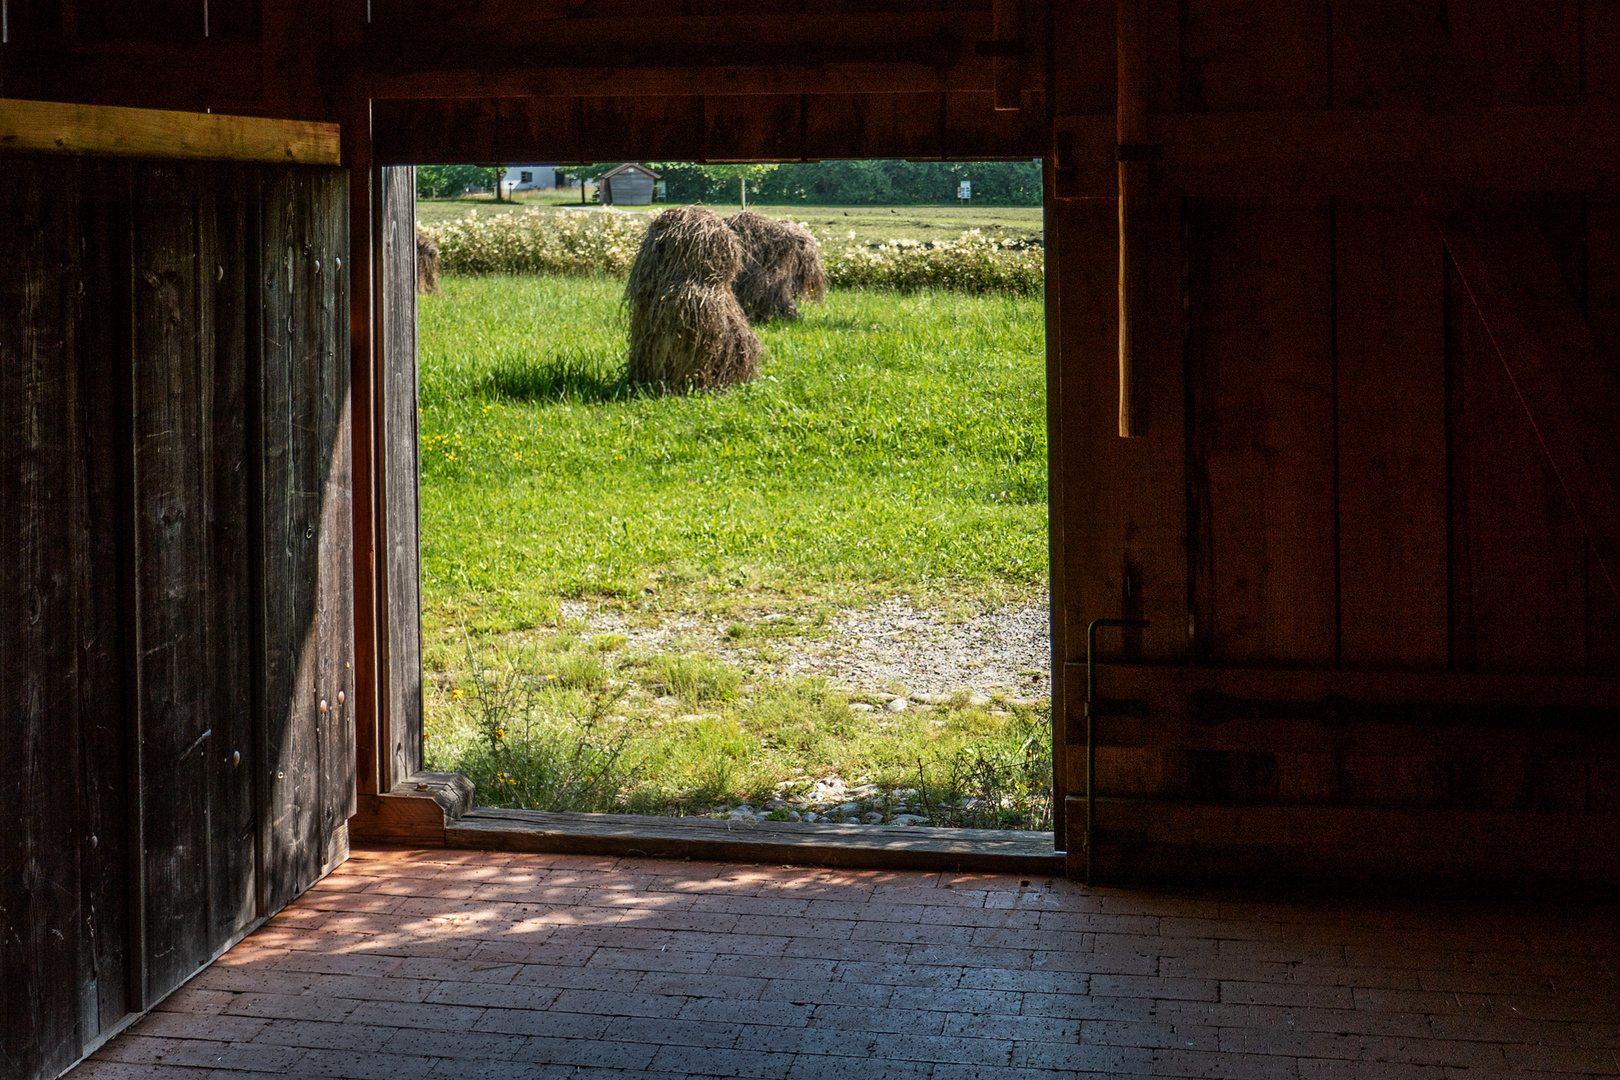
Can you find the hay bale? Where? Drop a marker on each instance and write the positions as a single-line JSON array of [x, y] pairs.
[[781, 263], [427, 264], [687, 330]]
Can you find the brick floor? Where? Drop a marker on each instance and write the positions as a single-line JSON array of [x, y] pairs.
[[444, 964]]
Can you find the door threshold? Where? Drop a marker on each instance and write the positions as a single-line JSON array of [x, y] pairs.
[[885, 847]]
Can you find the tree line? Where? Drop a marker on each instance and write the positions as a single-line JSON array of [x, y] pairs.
[[819, 183]]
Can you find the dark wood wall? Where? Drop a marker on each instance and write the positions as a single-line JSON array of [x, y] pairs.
[[176, 733], [1381, 639]]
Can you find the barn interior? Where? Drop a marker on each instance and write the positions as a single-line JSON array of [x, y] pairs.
[[1333, 311]]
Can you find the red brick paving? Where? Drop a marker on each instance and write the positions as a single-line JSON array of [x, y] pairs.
[[443, 964]]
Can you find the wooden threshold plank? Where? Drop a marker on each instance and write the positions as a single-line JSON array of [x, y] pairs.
[[895, 847], [52, 127]]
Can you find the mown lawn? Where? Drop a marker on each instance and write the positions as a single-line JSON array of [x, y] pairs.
[[893, 444]]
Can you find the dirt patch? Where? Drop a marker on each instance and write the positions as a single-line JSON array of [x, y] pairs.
[[890, 648]]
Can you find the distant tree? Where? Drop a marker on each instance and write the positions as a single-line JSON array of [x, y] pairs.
[[447, 181], [901, 183]]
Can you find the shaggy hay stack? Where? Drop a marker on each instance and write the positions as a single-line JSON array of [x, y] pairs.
[[686, 329], [781, 262], [427, 264]]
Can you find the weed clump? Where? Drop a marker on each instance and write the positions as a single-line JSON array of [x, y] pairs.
[[781, 263], [687, 331]]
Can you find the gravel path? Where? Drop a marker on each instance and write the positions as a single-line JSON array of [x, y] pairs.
[[890, 648]]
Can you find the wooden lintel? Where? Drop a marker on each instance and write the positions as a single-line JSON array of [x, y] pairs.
[[1357, 153], [56, 128], [1569, 386], [714, 81]]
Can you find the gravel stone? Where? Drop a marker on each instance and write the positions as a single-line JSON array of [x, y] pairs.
[[899, 704], [865, 651]]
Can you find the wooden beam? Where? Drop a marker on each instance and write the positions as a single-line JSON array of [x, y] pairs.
[[1145, 838], [56, 128], [1131, 133], [1568, 385], [891, 847], [1357, 153]]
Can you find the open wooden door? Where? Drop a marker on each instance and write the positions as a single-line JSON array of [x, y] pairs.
[[176, 643]]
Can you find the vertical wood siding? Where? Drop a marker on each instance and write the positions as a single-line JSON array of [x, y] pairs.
[[174, 576], [401, 515], [1338, 480]]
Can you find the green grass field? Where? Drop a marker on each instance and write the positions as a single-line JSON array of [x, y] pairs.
[[893, 444], [870, 224]]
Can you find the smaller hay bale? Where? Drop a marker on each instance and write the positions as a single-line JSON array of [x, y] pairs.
[[781, 264], [687, 331], [427, 264]]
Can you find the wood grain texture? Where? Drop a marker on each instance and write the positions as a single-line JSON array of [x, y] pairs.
[[1569, 388], [106, 587], [401, 571], [173, 401], [1152, 839], [225, 265], [1391, 404], [878, 847], [41, 831], [1255, 54], [1261, 385], [1123, 526], [290, 750], [1518, 558], [54, 128]]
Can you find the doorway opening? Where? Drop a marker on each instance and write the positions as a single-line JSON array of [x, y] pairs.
[[816, 596]]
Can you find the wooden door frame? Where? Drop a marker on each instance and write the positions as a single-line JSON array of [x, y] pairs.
[[389, 746]]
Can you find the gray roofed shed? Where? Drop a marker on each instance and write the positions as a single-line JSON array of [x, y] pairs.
[[628, 185]]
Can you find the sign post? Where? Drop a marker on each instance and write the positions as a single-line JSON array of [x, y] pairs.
[[964, 191]]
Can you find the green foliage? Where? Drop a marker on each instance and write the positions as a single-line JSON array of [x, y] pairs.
[[694, 679], [440, 181], [506, 720], [893, 441], [539, 242], [856, 183], [973, 264], [1004, 783], [548, 242], [540, 745]]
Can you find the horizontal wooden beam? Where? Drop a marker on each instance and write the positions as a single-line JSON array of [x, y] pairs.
[[723, 80], [887, 847], [1509, 689], [1358, 153], [55, 128], [1147, 838]]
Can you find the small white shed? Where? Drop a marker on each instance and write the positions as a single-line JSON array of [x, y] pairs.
[[529, 178], [628, 185]]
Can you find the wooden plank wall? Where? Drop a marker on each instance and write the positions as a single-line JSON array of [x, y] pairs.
[[400, 447], [177, 472], [1338, 479]]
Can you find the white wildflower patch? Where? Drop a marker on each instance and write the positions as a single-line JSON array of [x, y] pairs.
[[597, 242]]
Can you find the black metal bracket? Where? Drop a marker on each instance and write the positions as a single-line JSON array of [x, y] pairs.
[[1096, 707]]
